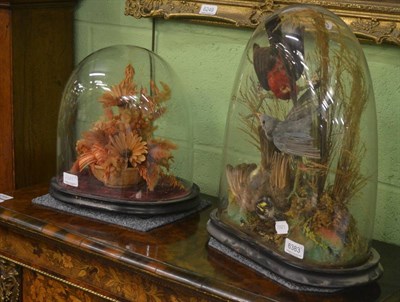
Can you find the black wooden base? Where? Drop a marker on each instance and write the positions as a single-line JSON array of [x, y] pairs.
[[141, 208], [320, 278]]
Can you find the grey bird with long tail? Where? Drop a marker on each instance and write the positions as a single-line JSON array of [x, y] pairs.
[[295, 135]]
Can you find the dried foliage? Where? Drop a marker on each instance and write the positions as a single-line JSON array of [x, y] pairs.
[[123, 137], [315, 192]]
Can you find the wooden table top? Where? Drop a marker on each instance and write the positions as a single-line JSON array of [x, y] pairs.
[[179, 252]]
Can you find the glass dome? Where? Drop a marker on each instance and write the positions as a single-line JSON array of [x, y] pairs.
[[300, 155], [124, 135]]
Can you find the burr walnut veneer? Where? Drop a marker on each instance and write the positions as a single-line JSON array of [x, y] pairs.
[[47, 255]]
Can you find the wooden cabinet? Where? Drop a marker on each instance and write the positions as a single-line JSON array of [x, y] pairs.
[[48, 255], [36, 59]]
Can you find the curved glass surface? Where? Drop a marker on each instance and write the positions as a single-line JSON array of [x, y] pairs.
[[300, 153], [124, 131]]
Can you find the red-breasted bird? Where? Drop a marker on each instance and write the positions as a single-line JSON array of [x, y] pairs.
[[279, 65]]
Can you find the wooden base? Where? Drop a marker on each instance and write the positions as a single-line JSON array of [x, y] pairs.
[[310, 279]]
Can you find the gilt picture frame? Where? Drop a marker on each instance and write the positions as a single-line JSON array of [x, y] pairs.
[[375, 22]]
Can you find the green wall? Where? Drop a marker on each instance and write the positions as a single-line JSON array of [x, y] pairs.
[[206, 59]]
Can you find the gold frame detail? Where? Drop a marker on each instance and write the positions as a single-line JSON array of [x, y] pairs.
[[10, 282], [13, 263], [372, 21]]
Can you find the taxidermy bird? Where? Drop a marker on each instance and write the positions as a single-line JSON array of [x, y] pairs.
[[280, 65], [265, 208], [295, 135], [247, 184]]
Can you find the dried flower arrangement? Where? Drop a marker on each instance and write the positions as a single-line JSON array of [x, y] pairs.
[[120, 149]]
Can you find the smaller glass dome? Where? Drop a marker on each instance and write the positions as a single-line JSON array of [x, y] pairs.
[[300, 154], [124, 135]]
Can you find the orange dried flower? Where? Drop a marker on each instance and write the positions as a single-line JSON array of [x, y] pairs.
[[129, 147], [121, 94], [124, 136]]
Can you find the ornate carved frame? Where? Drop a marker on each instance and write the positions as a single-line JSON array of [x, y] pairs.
[[373, 21]]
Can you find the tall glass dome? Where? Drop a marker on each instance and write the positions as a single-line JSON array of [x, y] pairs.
[[298, 187], [124, 135]]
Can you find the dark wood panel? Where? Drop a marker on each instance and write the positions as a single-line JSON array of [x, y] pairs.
[[6, 121], [42, 65], [36, 61]]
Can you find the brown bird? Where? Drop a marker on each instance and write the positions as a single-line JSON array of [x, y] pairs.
[[247, 183]]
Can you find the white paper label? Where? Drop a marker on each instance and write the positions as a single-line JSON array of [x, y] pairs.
[[328, 25], [4, 197], [207, 9], [293, 248], [70, 179], [281, 227]]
